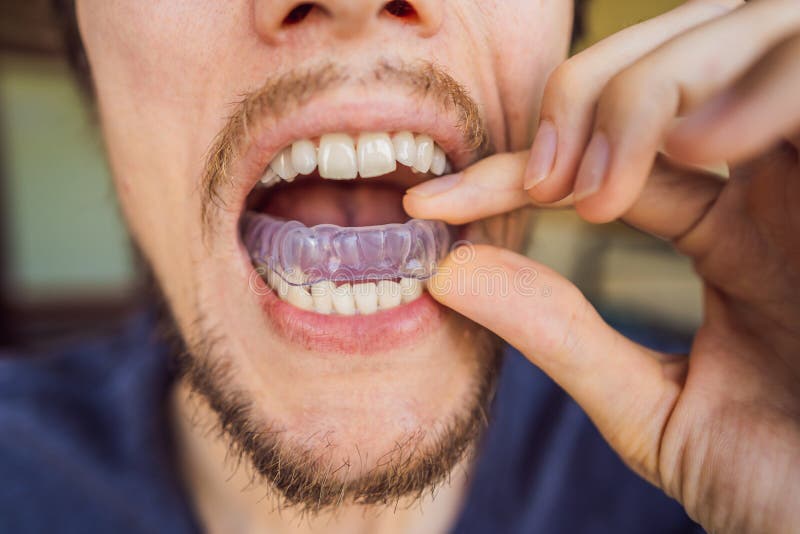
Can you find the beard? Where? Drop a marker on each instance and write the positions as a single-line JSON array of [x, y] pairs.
[[303, 477]]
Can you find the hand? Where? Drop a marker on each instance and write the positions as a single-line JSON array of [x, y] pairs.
[[719, 430]]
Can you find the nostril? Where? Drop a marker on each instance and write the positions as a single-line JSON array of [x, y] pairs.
[[297, 14], [400, 9]]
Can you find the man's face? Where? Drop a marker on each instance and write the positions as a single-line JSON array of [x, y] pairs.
[[351, 392]]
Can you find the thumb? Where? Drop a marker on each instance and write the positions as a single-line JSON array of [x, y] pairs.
[[626, 389]]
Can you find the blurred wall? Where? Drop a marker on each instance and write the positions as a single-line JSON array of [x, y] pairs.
[[609, 16], [65, 238]]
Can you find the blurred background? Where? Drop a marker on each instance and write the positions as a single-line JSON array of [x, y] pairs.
[[68, 269]]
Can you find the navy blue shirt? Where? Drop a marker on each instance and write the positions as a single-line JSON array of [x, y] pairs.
[[85, 447]]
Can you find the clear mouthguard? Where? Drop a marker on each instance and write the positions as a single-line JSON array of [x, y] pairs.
[[303, 256]]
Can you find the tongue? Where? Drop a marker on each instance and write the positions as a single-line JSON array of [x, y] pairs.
[[357, 203]]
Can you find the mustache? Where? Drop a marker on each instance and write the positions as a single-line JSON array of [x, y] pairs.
[[282, 94]]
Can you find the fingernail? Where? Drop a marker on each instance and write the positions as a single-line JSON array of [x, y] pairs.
[[437, 186], [593, 168], [543, 155]]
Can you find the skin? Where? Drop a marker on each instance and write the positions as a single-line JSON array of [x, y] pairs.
[[166, 77], [718, 431]]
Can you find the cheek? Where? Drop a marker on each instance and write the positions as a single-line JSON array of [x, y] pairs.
[[152, 45], [529, 40], [156, 138]]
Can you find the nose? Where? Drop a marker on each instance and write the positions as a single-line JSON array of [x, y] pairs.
[[276, 19]]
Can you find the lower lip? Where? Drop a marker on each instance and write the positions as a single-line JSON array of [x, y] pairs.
[[383, 331]]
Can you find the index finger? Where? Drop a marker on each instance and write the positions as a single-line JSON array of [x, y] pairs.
[[672, 202], [490, 187]]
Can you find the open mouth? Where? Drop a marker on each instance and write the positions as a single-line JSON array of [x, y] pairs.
[[326, 230]]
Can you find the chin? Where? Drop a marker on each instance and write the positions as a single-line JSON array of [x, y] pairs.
[[325, 420]]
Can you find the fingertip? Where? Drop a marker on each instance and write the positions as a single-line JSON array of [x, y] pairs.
[[423, 200], [609, 199], [594, 167], [595, 212], [409, 204], [559, 181], [551, 190], [436, 186], [542, 155]]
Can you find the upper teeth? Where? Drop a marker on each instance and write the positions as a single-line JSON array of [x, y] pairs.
[[340, 157]]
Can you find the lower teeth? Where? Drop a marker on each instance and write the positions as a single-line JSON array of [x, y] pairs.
[[346, 298], [334, 270]]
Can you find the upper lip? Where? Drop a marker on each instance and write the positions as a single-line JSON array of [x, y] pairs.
[[344, 111]]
